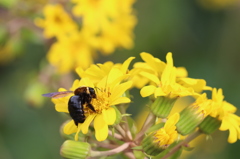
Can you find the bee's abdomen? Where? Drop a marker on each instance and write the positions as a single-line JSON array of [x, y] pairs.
[[75, 109]]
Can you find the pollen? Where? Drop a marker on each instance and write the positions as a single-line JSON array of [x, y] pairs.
[[100, 103]]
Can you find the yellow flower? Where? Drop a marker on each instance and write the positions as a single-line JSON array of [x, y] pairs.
[[155, 66], [168, 134], [117, 34], [70, 52], [224, 112], [97, 72], [164, 79], [109, 22], [109, 92], [57, 22], [203, 105], [198, 85], [95, 13]]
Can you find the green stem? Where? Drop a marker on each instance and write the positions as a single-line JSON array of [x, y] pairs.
[[147, 124], [183, 143], [125, 124]]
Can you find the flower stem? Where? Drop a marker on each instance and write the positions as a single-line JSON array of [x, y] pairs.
[[115, 135], [110, 152], [183, 143], [147, 124], [121, 131], [130, 155], [125, 124]]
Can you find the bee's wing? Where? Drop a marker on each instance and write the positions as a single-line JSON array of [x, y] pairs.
[[58, 94]]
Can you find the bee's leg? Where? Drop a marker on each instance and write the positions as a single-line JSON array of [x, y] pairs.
[[91, 107], [76, 123]]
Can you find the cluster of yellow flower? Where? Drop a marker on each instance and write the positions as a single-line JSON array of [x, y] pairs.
[[164, 84], [93, 26]]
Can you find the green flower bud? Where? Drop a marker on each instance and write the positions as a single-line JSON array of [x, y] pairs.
[[150, 147], [162, 106], [209, 125], [190, 118], [73, 149]]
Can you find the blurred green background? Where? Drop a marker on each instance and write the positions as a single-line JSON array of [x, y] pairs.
[[203, 38]]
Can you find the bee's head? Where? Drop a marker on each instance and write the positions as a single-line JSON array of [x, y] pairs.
[[92, 92]]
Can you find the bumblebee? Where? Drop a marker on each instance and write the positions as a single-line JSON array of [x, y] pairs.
[[82, 96]]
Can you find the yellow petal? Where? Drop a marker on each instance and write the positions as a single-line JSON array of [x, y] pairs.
[[146, 56], [197, 84], [109, 116], [169, 59], [102, 134], [120, 89], [106, 67], [95, 72], [99, 122], [168, 75], [151, 77], [113, 75], [61, 89], [125, 65], [232, 135], [182, 72], [224, 125], [86, 82], [159, 92], [86, 123], [80, 71], [70, 128], [171, 122], [147, 90], [75, 85], [153, 62], [120, 100], [78, 130], [61, 107]]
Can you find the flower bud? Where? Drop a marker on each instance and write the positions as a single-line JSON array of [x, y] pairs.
[[162, 106], [190, 118], [209, 125], [73, 149], [150, 147]]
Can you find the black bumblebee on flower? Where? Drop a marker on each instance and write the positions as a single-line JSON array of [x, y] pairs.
[[82, 96]]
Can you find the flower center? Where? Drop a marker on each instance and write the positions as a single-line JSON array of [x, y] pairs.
[[100, 103], [57, 19]]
